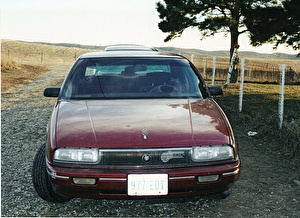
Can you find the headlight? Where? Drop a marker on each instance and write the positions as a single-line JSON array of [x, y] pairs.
[[82, 155], [212, 153]]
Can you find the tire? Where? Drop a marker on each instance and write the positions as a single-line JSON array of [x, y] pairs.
[[41, 181], [222, 195], [219, 196]]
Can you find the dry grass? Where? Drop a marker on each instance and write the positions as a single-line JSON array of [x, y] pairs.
[[40, 54], [22, 62], [256, 70], [254, 64], [7, 64], [14, 74]]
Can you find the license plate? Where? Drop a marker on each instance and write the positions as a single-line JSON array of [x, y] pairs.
[[147, 184]]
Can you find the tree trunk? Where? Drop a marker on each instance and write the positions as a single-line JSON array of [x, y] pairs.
[[234, 35], [234, 42]]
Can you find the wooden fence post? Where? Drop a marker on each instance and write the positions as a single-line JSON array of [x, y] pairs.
[[42, 57]]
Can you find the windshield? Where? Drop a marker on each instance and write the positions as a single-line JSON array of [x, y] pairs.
[[126, 78]]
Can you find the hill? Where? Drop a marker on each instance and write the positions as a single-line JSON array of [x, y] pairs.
[[244, 54], [183, 51]]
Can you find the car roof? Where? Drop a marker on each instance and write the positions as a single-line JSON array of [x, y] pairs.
[[129, 51], [129, 48], [112, 54]]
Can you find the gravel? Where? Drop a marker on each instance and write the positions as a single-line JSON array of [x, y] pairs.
[[266, 186]]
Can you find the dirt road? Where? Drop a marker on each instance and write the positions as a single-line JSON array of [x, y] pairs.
[[266, 187]]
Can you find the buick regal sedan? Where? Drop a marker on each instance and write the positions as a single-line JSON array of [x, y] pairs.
[[134, 123]]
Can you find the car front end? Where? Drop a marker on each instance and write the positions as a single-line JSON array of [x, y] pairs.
[[135, 125], [141, 152]]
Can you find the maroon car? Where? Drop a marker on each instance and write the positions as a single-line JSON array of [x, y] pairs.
[[134, 123]]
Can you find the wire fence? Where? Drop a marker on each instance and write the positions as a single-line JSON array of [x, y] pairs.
[[256, 70]]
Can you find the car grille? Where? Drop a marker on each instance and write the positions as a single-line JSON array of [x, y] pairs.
[[146, 156]]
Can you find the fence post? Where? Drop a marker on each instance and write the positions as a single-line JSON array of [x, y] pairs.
[[214, 71], [204, 67], [250, 74], [192, 58], [281, 97], [42, 57], [242, 85]]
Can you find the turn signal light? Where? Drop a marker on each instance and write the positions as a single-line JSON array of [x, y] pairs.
[[84, 181], [209, 178]]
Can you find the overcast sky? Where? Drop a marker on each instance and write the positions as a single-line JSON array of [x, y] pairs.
[[102, 22]]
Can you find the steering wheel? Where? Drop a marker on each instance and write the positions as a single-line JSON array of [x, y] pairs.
[[164, 89]]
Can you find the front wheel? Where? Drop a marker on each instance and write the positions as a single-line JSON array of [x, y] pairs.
[[41, 180], [219, 196]]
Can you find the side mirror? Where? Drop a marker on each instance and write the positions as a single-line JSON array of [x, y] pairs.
[[215, 90], [51, 92]]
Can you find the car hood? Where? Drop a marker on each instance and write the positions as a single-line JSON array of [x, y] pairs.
[[140, 123]]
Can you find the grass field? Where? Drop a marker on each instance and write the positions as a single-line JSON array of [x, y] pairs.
[[22, 62], [256, 69], [260, 114], [14, 74]]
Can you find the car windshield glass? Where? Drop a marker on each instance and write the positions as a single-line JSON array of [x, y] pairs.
[[127, 78]]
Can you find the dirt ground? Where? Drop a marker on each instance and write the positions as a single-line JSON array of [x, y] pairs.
[[267, 186]]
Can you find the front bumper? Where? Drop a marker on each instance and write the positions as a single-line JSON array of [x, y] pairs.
[[112, 183]]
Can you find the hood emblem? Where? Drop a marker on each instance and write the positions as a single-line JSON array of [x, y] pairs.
[[146, 157], [145, 133]]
